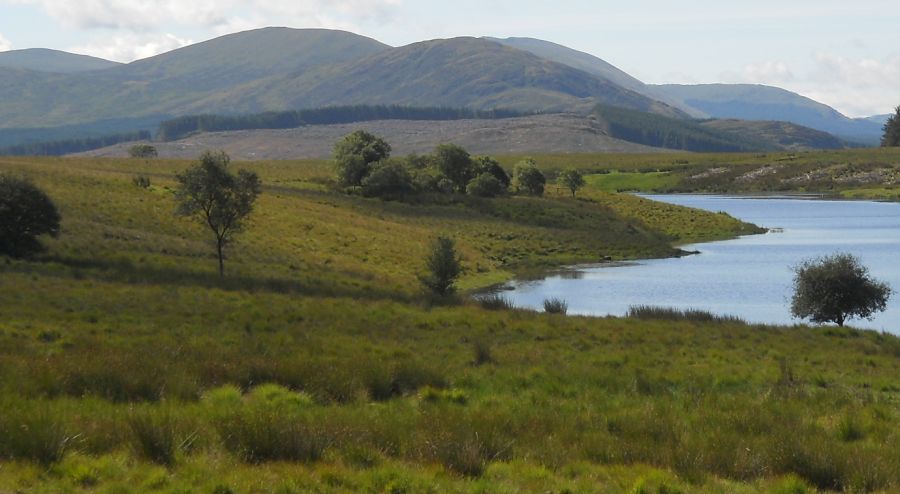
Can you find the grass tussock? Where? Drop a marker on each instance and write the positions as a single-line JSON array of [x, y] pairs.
[[555, 306]]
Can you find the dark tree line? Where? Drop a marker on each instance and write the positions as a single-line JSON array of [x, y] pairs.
[[59, 148], [178, 128], [892, 130]]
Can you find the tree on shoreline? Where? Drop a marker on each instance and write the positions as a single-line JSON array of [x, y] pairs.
[[836, 288]]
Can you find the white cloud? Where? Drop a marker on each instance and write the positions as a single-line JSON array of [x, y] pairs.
[[128, 47], [854, 86], [5, 44], [145, 15], [769, 71]]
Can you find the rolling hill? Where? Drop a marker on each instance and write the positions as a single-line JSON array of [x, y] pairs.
[[280, 68], [54, 61], [757, 102]]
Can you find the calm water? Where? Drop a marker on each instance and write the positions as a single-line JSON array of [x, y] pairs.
[[749, 277]]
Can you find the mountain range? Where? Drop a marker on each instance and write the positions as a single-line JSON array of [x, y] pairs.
[[47, 94]]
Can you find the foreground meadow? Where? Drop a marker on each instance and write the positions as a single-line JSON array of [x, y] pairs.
[[317, 366]]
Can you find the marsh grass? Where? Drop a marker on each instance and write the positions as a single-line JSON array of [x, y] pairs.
[[672, 314], [555, 306], [495, 301]]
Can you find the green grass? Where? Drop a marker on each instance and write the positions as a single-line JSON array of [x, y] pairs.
[[616, 181], [316, 365]]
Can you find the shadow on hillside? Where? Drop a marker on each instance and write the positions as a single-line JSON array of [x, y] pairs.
[[124, 271]]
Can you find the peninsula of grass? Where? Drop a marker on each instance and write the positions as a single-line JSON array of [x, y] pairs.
[[315, 365]]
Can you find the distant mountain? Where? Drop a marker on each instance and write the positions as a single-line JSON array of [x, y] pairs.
[[458, 72], [876, 119], [59, 62], [592, 65], [285, 69], [757, 102], [174, 83]]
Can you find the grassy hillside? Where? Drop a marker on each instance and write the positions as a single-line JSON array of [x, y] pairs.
[[778, 135], [315, 366], [60, 62]]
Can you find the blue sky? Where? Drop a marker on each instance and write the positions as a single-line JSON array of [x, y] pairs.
[[845, 54]]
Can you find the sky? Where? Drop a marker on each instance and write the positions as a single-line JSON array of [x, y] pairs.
[[845, 54]]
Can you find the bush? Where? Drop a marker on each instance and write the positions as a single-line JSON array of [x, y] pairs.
[[141, 181], [143, 151], [485, 185], [555, 306], [354, 155], [528, 179], [387, 180], [486, 164], [26, 212], [455, 164]]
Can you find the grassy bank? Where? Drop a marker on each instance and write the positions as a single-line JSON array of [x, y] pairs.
[[315, 366], [870, 173]]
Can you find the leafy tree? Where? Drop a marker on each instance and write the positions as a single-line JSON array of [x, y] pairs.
[[486, 164], [892, 130], [443, 265], [485, 185], [455, 164], [143, 151], [220, 199], [26, 212], [355, 153], [571, 179], [528, 179], [388, 179], [835, 288]]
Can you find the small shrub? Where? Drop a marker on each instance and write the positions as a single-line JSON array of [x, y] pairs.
[[481, 349], [485, 185], [790, 485], [277, 396], [143, 151], [141, 181], [555, 306], [849, 429]]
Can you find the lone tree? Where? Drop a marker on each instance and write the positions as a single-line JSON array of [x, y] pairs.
[[571, 179], [892, 130], [443, 265], [528, 179], [835, 288], [218, 198], [355, 154], [143, 151], [26, 212]]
